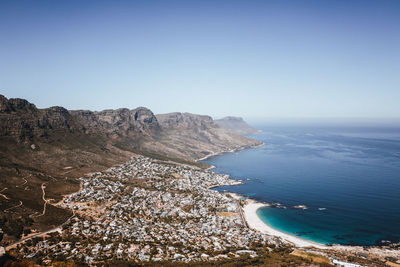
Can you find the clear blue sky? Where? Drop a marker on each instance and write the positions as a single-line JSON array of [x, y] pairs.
[[249, 58]]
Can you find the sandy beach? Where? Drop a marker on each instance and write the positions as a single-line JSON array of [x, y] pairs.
[[254, 222]]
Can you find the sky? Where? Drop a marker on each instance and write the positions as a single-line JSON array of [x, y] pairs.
[[255, 59]]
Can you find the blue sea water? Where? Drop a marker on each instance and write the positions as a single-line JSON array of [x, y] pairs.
[[349, 178]]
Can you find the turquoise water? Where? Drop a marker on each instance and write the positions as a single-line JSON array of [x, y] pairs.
[[349, 179]]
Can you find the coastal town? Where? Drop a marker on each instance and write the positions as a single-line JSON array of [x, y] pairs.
[[147, 210]]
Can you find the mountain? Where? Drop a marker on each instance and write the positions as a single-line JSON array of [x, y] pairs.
[[136, 123], [50, 148], [237, 125], [181, 135], [198, 136], [23, 121]]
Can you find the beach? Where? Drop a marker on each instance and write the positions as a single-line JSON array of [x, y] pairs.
[[255, 222]]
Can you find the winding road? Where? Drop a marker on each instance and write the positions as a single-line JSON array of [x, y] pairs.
[[16, 206], [43, 186], [3, 194]]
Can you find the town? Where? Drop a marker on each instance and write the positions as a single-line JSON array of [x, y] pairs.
[[149, 210]]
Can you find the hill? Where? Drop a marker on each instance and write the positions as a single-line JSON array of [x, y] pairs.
[[236, 125]]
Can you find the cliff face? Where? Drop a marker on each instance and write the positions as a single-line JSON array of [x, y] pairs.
[[237, 125], [185, 121], [22, 121], [139, 122]]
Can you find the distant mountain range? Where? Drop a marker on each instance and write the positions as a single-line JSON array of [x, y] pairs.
[[236, 125], [183, 135], [53, 146]]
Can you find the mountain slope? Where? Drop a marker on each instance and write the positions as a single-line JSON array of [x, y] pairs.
[[237, 125], [197, 136], [43, 150]]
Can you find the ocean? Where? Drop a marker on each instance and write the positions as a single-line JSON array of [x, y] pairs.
[[348, 178]]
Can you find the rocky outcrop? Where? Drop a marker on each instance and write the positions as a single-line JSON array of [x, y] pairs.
[[237, 125], [185, 121], [139, 122], [22, 121], [15, 104]]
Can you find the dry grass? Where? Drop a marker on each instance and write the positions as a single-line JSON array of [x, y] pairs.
[[315, 258], [57, 163]]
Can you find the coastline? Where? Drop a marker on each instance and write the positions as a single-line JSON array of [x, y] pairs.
[[213, 154], [236, 182], [255, 222], [251, 207]]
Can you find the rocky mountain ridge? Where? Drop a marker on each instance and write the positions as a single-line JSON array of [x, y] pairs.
[[236, 125], [181, 135], [21, 120], [118, 123], [24, 122]]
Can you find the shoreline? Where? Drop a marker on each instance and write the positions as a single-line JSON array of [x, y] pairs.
[[237, 182], [233, 150], [252, 206], [255, 222]]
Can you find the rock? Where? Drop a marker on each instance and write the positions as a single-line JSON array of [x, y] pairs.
[[184, 121], [122, 122], [21, 120]]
